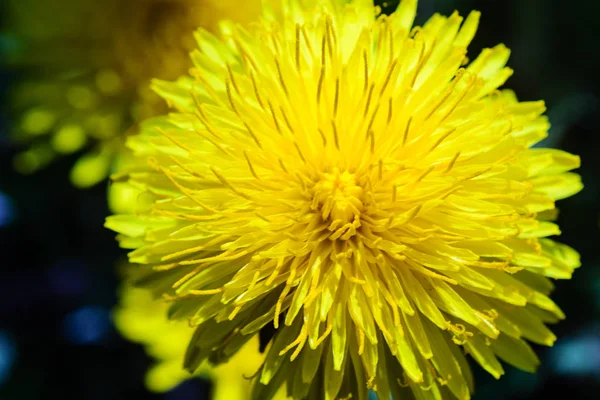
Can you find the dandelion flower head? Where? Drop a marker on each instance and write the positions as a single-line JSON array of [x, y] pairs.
[[354, 186], [86, 70]]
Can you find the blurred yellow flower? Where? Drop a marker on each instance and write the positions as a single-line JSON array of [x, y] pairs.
[[87, 65], [348, 178], [142, 319]]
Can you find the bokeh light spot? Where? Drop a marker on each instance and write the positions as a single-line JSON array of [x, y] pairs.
[[579, 356], [7, 210], [33, 159], [38, 121], [81, 97], [109, 82], [87, 325], [90, 169], [69, 139], [8, 354]]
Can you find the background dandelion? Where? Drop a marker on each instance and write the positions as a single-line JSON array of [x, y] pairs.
[[141, 318], [56, 253], [86, 67]]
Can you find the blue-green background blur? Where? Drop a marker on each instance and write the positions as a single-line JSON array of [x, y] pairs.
[[58, 281]]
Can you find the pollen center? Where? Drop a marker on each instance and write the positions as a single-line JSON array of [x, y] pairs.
[[338, 197]]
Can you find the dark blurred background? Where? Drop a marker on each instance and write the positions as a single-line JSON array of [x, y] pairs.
[[58, 280]]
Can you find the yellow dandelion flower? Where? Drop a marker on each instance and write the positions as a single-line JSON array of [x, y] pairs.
[[87, 68], [142, 319], [353, 184]]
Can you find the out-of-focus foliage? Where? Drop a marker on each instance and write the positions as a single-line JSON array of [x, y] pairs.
[[86, 67]]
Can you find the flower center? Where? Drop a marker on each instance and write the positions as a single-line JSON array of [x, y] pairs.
[[338, 196]]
